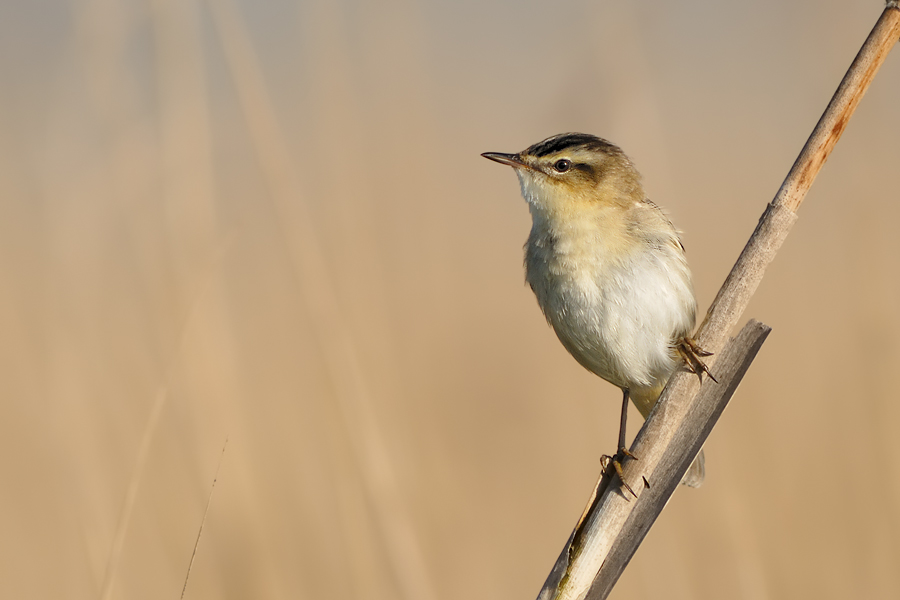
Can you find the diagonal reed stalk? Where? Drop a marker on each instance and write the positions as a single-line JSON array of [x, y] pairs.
[[203, 520], [613, 526]]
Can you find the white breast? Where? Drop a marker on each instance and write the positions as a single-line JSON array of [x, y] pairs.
[[616, 312]]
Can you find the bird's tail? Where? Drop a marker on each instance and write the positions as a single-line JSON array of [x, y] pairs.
[[696, 472]]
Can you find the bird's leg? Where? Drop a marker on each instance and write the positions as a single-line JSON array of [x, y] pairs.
[[691, 352], [622, 452], [623, 420]]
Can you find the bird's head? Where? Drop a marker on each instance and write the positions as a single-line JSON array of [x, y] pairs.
[[572, 170]]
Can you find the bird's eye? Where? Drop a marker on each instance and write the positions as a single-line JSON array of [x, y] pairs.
[[562, 165]]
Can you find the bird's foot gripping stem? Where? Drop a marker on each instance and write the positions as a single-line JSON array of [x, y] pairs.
[[615, 463], [691, 352]]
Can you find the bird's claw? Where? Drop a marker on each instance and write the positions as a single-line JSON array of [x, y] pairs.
[[616, 463], [690, 351]]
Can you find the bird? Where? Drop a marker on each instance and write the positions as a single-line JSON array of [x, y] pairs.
[[609, 272]]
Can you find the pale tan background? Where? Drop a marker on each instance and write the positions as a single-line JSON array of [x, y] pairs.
[[269, 222]]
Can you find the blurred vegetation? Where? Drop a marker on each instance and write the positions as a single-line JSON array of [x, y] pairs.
[[270, 222]]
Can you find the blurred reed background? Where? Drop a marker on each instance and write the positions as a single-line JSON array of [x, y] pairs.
[[269, 222]]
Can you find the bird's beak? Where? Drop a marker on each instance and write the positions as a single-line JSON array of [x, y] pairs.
[[513, 160]]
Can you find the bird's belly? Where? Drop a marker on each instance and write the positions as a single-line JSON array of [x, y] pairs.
[[624, 330]]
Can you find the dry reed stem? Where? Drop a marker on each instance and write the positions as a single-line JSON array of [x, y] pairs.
[[744, 278], [203, 520], [599, 551], [332, 332]]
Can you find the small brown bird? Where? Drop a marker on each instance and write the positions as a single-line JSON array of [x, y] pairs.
[[608, 270]]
